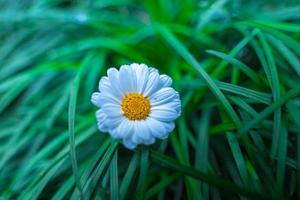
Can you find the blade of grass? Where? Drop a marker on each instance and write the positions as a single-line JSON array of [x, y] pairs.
[[274, 82], [114, 180], [201, 155], [290, 57], [190, 184], [144, 165], [64, 189], [129, 175], [219, 71], [62, 155], [282, 151], [238, 64], [238, 157], [38, 189], [295, 113], [161, 185], [270, 109], [209, 13], [260, 97], [45, 152], [71, 122], [12, 94], [183, 52], [170, 163], [94, 178]]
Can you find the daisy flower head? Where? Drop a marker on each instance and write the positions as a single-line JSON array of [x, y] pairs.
[[137, 104]]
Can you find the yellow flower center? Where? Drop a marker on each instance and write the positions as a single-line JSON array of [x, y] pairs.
[[135, 106]]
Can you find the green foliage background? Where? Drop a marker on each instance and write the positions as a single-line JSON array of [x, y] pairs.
[[235, 63]]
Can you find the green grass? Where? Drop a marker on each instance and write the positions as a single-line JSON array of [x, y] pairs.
[[236, 66]]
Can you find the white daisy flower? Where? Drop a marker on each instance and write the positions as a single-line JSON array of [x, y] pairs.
[[136, 104]]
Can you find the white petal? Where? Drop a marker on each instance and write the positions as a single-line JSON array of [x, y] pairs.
[[160, 129], [101, 119], [142, 132], [94, 99], [163, 96], [113, 76], [99, 99], [153, 84], [104, 98], [164, 113], [134, 137], [113, 122], [157, 128], [165, 80], [125, 129], [174, 104], [112, 110], [142, 74], [169, 126], [150, 141], [106, 123], [152, 69], [114, 133], [128, 80], [104, 85], [128, 143]]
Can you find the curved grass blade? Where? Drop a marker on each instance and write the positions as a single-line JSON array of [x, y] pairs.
[[295, 113], [238, 64], [34, 194], [238, 157], [202, 148], [129, 175], [275, 86], [270, 109], [71, 122], [170, 163], [64, 189], [183, 52], [290, 57], [114, 180], [260, 97], [144, 165], [281, 162], [233, 52], [94, 178], [161, 185]]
